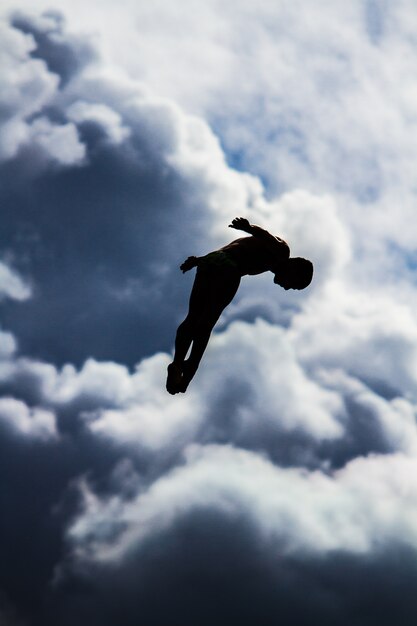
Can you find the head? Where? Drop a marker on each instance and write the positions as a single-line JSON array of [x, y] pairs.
[[294, 273]]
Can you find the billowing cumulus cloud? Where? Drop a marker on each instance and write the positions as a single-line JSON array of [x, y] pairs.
[[281, 486], [219, 528], [294, 510]]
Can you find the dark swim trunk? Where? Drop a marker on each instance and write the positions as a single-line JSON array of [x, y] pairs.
[[218, 260]]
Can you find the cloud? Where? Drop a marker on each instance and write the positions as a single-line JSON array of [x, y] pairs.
[[12, 285], [304, 98], [213, 506], [36, 423], [294, 512], [137, 167], [103, 116], [289, 463], [26, 87], [65, 54], [372, 338], [112, 232]]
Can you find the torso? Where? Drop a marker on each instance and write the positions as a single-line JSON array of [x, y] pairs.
[[255, 256]]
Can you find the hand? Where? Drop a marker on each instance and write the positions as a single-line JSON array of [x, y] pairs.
[[189, 264], [241, 223]]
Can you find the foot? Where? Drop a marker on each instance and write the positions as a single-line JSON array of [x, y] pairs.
[[187, 375], [174, 378]]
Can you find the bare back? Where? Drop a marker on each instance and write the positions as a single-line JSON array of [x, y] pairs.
[[253, 255]]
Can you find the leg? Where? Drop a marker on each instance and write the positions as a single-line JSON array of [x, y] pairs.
[[183, 340], [212, 292], [199, 345], [185, 333], [220, 291]]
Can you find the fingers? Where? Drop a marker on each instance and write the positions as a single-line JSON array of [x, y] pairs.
[[240, 223], [236, 222]]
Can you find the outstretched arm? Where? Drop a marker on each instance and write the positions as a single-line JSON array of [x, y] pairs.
[[241, 223]]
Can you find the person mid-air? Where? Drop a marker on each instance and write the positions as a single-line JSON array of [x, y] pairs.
[[216, 282]]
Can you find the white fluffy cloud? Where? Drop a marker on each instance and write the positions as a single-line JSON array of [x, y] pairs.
[[294, 512], [319, 96], [26, 86], [369, 335], [31, 423], [102, 115]]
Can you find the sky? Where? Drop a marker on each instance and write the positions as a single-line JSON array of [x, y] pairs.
[[282, 487]]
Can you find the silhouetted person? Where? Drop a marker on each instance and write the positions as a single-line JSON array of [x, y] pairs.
[[216, 282]]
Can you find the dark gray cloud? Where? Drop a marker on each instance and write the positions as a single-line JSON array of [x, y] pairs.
[[212, 570], [110, 231], [37, 500]]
